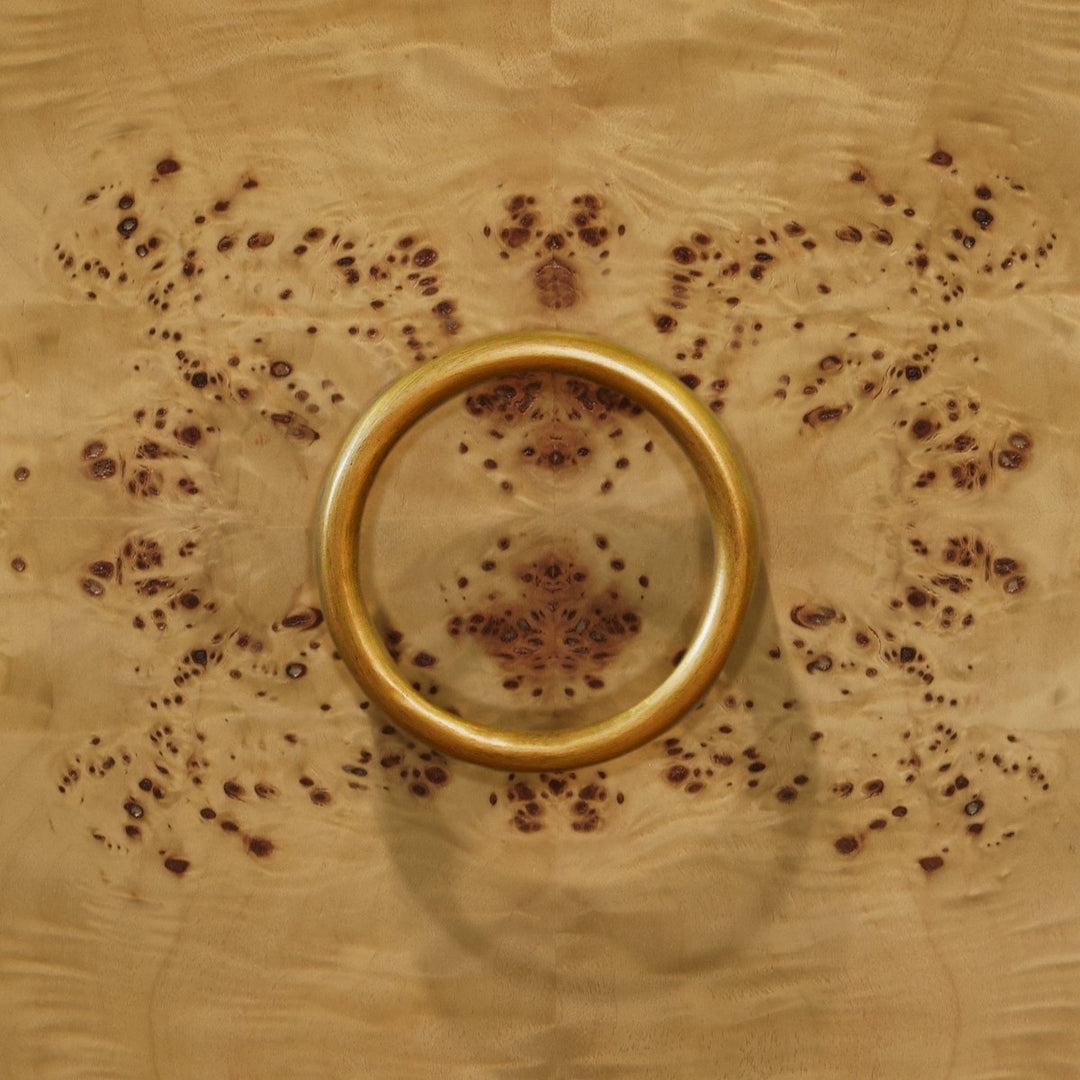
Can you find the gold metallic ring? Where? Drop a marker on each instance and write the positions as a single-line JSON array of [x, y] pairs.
[[406, 401]]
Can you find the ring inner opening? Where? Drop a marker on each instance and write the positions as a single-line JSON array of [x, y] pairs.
[[536, 552]]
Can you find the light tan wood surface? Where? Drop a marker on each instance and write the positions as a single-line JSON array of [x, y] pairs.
[[851, 227]]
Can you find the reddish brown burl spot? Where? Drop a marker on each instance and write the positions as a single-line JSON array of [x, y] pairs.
[[556, 285], [513, 236], [167, 166], [176, 865], [846, 845], [677, 774], [1014, 455], [813, 616], [307, 619], [260, 846], [930, 863], [103, 468], [526, 824], [561, 628], [941, 157], [825, 414]]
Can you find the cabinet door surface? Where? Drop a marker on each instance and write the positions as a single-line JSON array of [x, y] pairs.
[[849, 229]]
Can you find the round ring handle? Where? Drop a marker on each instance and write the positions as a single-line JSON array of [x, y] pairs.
[[349, 484]]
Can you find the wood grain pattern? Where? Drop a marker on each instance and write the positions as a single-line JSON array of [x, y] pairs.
[[850, 229]]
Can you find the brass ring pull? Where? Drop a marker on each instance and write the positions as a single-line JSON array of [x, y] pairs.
[[386, 420]]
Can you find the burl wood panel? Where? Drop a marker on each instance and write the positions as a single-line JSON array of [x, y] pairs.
[[850, 228]]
